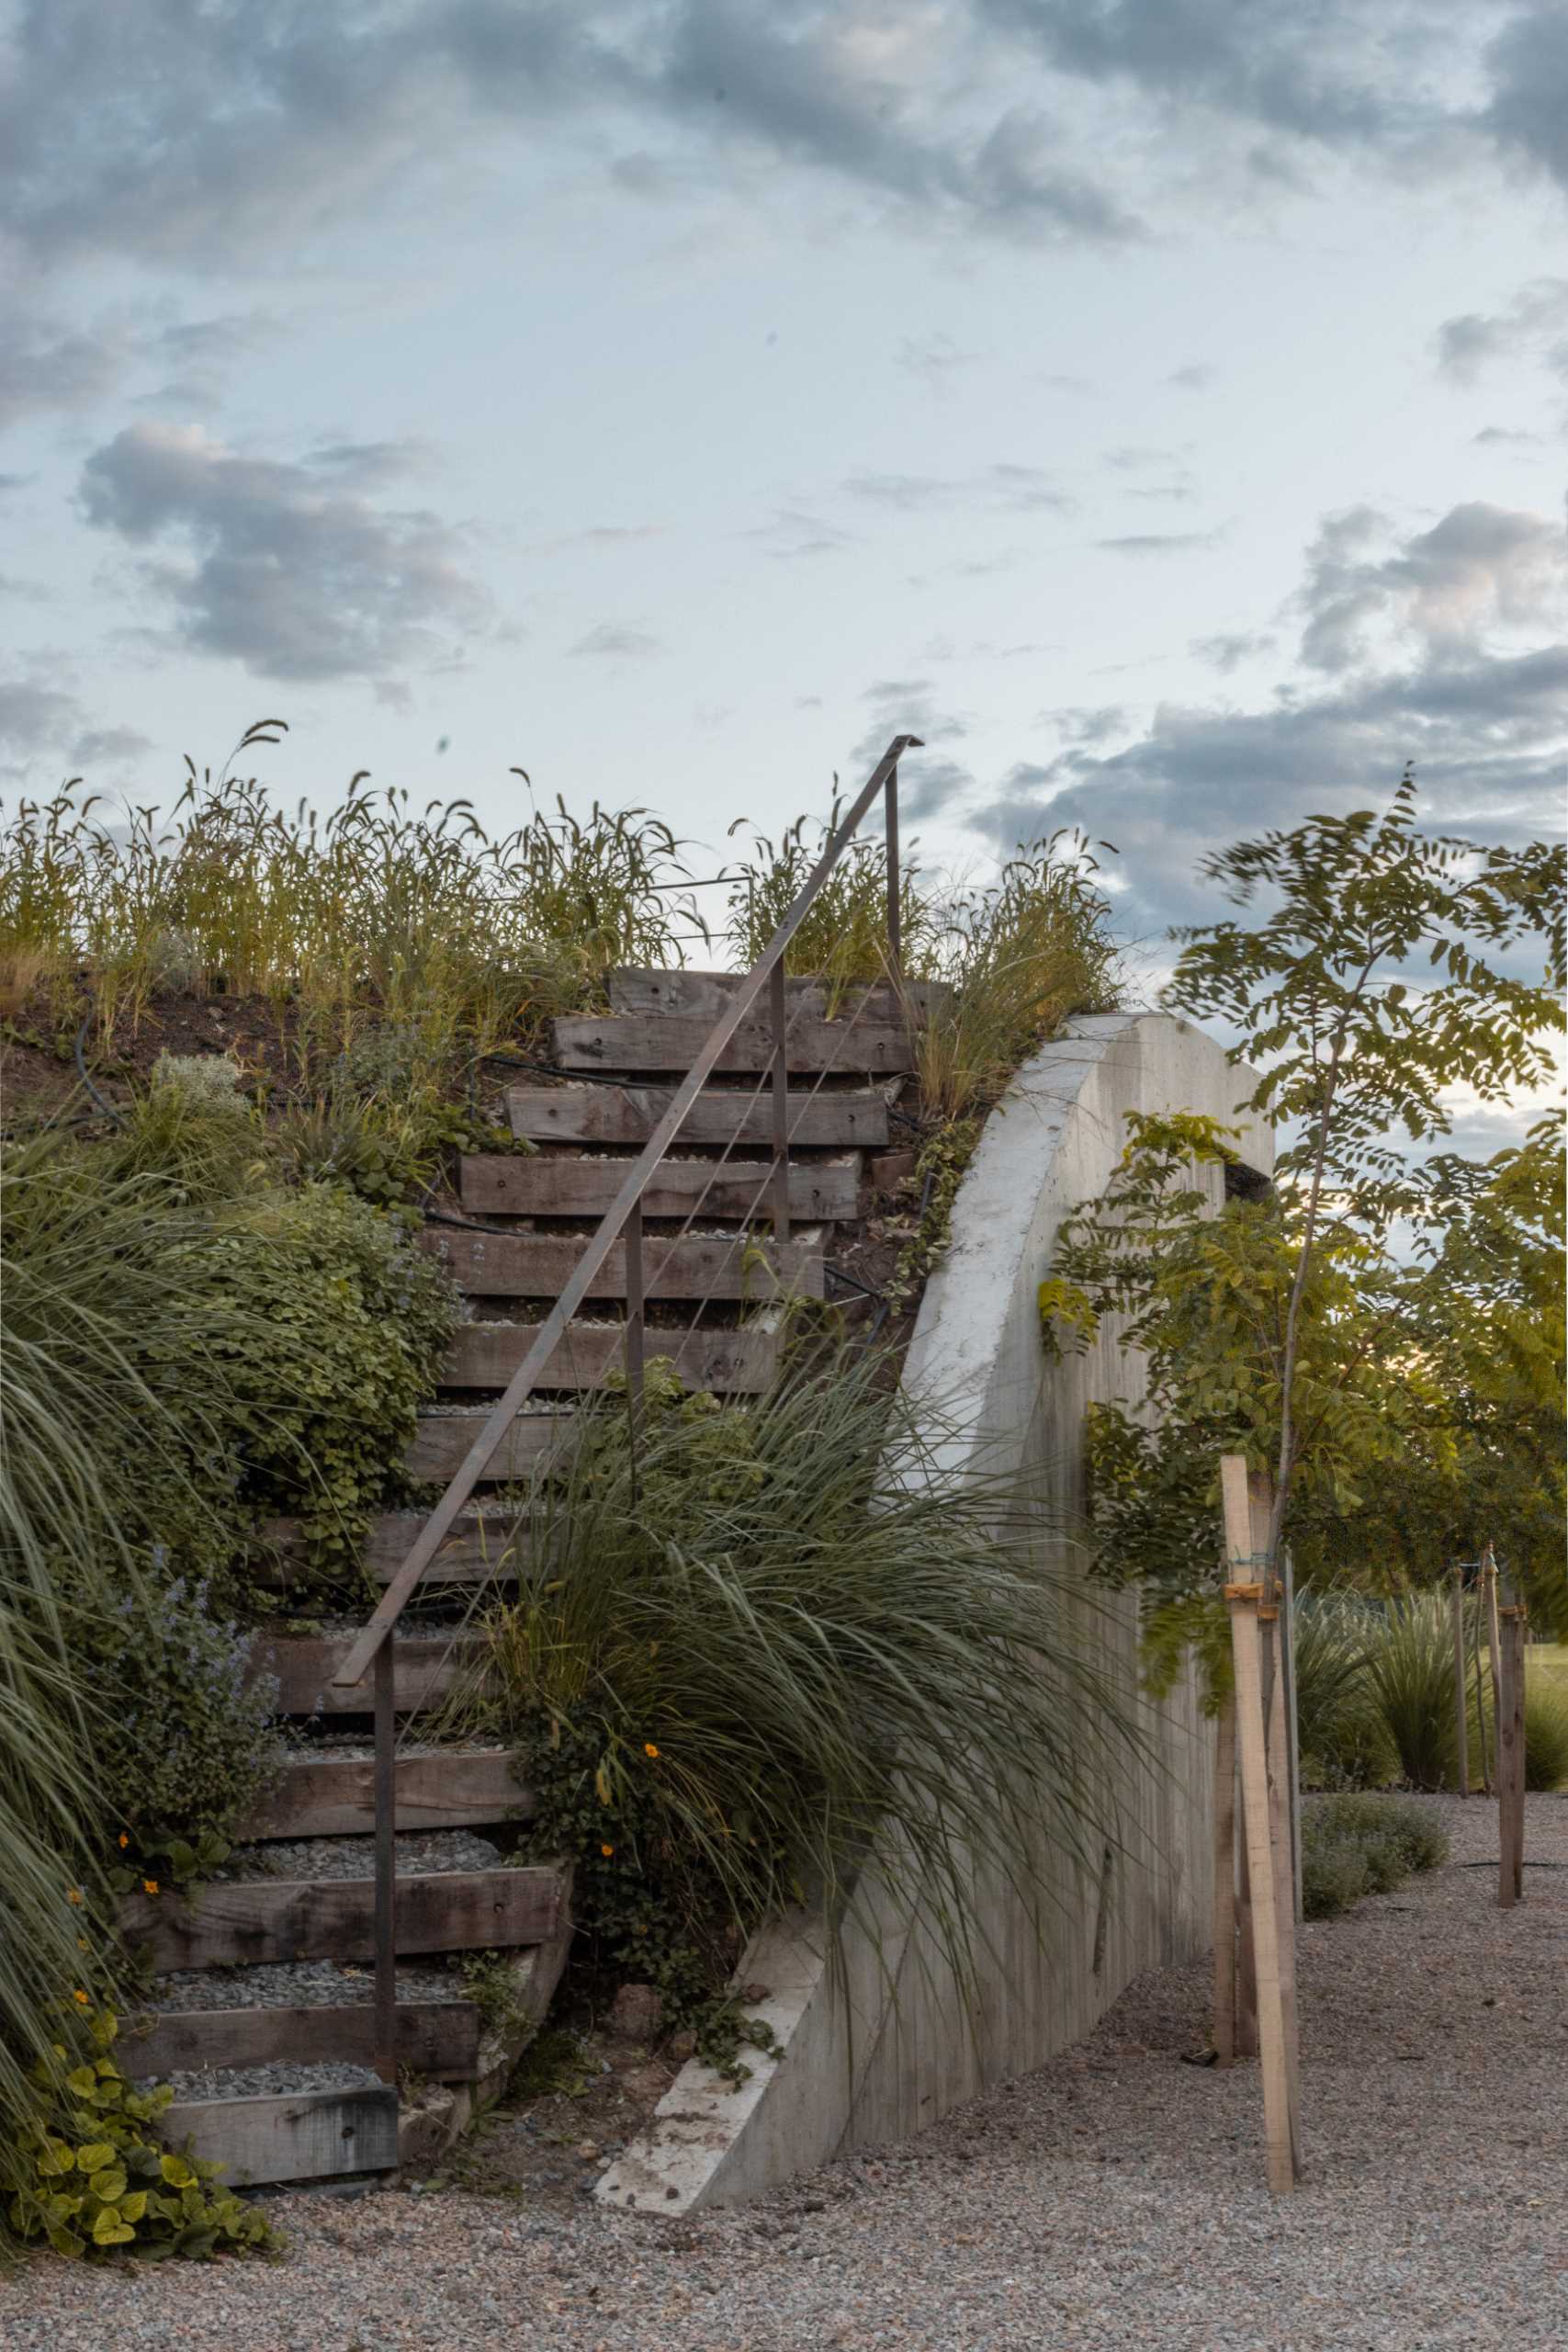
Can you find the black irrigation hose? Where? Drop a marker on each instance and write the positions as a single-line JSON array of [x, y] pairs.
[[554, 1070]]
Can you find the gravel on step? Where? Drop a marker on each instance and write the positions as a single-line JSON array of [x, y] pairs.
[[296, 1984], [348, 1747], [320, 1858], [1111, 2202], [270, 2082]]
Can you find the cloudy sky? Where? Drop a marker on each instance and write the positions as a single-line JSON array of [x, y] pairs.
[[1159, 405]]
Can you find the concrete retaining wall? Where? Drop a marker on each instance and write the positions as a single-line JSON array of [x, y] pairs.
[[881, 2044]]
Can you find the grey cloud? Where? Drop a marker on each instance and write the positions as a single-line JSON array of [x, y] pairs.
[[102, 743], [795, 532], [1468, 342], [1528, 111], [227, 134], [1227, 651], [909, 707], [934, 359], [1488, 738], [44, 366], [1479, 564], [34, 717], [618, 641], [293, 576], [1015, 489], [1196, 379], [1492, 436], [1157, 542]]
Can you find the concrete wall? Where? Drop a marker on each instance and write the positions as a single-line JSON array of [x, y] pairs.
[[876, 2039]]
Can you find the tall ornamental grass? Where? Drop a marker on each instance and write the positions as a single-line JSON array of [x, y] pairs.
[[1013, 958], [378, 910], [769, 1636]]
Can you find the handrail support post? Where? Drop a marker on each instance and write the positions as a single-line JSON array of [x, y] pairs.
[[776, 1002], [895, 941], [386, 1791]]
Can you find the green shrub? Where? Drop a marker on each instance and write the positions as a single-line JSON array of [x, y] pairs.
[[1344, 1742], [778, 1630], [1357, 1844], [1334, 1875], [333, 1324], [186, 1745], [1546, 1738], [90, 2175]]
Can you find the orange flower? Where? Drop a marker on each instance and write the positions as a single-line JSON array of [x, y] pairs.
[[124, 1840], [606, 1851], [149, 1887], [81, 1943], [649, 1748], [75, 1895], [80, 1995]]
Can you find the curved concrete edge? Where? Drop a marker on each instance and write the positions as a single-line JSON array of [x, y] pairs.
[[874, 2037]]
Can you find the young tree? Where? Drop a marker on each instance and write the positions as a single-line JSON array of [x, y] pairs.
[[1379, 980]]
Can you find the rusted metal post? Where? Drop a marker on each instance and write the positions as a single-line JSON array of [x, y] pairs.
[[776, 1003], [386, 1788], [895, 939], [635, 1310]]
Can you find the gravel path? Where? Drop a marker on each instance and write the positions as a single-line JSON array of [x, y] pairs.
[[1113, 2199]]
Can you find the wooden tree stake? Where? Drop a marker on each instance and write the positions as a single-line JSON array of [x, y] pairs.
[[1462, 1710], [1225, 1887], [1276, 1977], [1511, 1759]]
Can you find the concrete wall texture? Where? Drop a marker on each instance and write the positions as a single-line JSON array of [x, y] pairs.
[[877, 2040]]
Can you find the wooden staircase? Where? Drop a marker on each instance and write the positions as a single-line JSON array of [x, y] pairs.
[[259, 2005]]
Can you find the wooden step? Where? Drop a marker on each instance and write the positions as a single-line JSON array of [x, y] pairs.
[[707, 996], [333, 1796], [292, 2135], [441, 1441], [482, 1546], [638, 1041], [425, 1670], [252, 1921], [495, 1184], [436, 2038], [539, 1265], [485, 1355], [628, 1115]]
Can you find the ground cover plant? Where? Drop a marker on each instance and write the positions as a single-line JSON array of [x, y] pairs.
[[1359, 1845], [775, 1633]]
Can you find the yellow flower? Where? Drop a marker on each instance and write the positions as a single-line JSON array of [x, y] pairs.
[[149, 1887], [606, 1851], [74, 1895], [81, 1943], [124, 1840], [80, 1995], [649, 1748]]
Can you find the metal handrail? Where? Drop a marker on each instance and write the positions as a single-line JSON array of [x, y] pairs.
[[374, 1645]]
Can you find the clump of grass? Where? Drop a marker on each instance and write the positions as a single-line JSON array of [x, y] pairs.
[[1410, 1675], [1345, 1743], [769, 1635], [1546, 1738], [1016, 959], [1355, 1845], [375, 911], [1011, 959]]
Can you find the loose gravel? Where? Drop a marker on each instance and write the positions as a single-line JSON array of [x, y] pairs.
[[295, 1984], [419, 1851], [266, 2082], [1115, 2200]]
